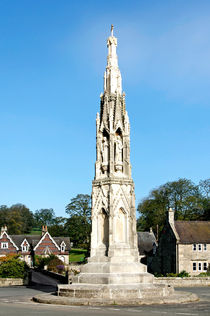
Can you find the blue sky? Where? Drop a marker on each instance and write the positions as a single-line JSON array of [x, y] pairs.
[[52, 60]]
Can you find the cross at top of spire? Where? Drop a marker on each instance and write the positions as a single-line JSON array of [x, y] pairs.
[[112, 29]]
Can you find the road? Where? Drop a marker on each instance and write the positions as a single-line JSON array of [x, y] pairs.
[[17, 301]]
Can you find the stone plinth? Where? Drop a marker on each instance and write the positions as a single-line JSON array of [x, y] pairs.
[[113, 283]]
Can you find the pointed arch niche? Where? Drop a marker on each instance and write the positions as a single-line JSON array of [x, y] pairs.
[[121, 226], [118, 150], [103, 229], [105, 151]]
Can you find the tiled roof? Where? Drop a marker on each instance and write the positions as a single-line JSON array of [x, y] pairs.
[[146, 240], [34, 239], [193, 231], [59, 240]]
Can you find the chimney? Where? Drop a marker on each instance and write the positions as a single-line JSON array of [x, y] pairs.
[[150, 230], [43, 230], [171, 216], [3, 229]]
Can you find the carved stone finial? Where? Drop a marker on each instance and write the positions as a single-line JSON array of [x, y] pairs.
[[112, 29]]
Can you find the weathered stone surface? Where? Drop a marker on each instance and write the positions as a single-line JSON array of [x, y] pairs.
[[184, 282], [12, 281], [175, 298]]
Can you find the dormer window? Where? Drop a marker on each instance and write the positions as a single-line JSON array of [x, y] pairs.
[[24, 248], [63, 246], [4, 245], [25, 245]]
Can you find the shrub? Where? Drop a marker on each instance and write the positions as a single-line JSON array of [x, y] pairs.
[[13, 267], [183, 274], [54, 263], [40, 261], [204, 274], [171, 275]]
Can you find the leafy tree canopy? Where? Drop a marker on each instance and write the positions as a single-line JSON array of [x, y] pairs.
[[44, 217], [80, 205], [187, 200], [18, 218], [78, 225]]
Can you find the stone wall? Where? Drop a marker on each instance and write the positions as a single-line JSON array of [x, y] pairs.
[[12, 282], [184, 282]]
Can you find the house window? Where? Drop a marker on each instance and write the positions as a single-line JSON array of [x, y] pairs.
[[194, 247], [205, 266], [199, 266], [199, 247], [4, 245], [205, 247], [25, 248], [194, 266], [63, 247]]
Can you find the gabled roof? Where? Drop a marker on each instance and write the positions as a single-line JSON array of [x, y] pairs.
[[59, 241], [193, 231], [10, 239], [51, 238], [146, 241], [34, 240]]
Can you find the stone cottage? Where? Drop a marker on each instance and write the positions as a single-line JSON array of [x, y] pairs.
[[183, 245]]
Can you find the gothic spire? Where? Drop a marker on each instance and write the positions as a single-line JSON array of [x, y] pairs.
[[112, 75]]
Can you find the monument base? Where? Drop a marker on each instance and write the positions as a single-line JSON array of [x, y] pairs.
[[113, 283], [114, 293]]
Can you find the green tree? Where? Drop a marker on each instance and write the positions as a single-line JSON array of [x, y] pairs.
[[18, 218], [183, 196], [44, 217], [20, 214], [78, 225], [58, 228]]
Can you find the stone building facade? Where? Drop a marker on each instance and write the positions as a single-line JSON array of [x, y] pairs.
[[183, 245], [28, 246]]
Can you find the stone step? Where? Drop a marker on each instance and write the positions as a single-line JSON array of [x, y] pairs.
[[112, 291], [113, 278], [110, 267]]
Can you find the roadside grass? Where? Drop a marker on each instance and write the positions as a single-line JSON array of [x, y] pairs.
[[77, 255]]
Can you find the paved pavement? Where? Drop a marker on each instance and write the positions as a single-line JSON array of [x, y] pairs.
[[16, 301]]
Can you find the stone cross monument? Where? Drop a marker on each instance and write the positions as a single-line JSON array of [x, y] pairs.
[[113, 273], [113, 200]]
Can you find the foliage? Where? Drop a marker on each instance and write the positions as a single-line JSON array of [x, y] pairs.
[[80, 205], [77, 255], [41, 261], [204, 274], [18, 218], [78, 229], [58, 228], [78, 226], [44, 217], [183, 196], [52, 262], [183, 274], [55, 265], [13, 267], [8, 257]]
